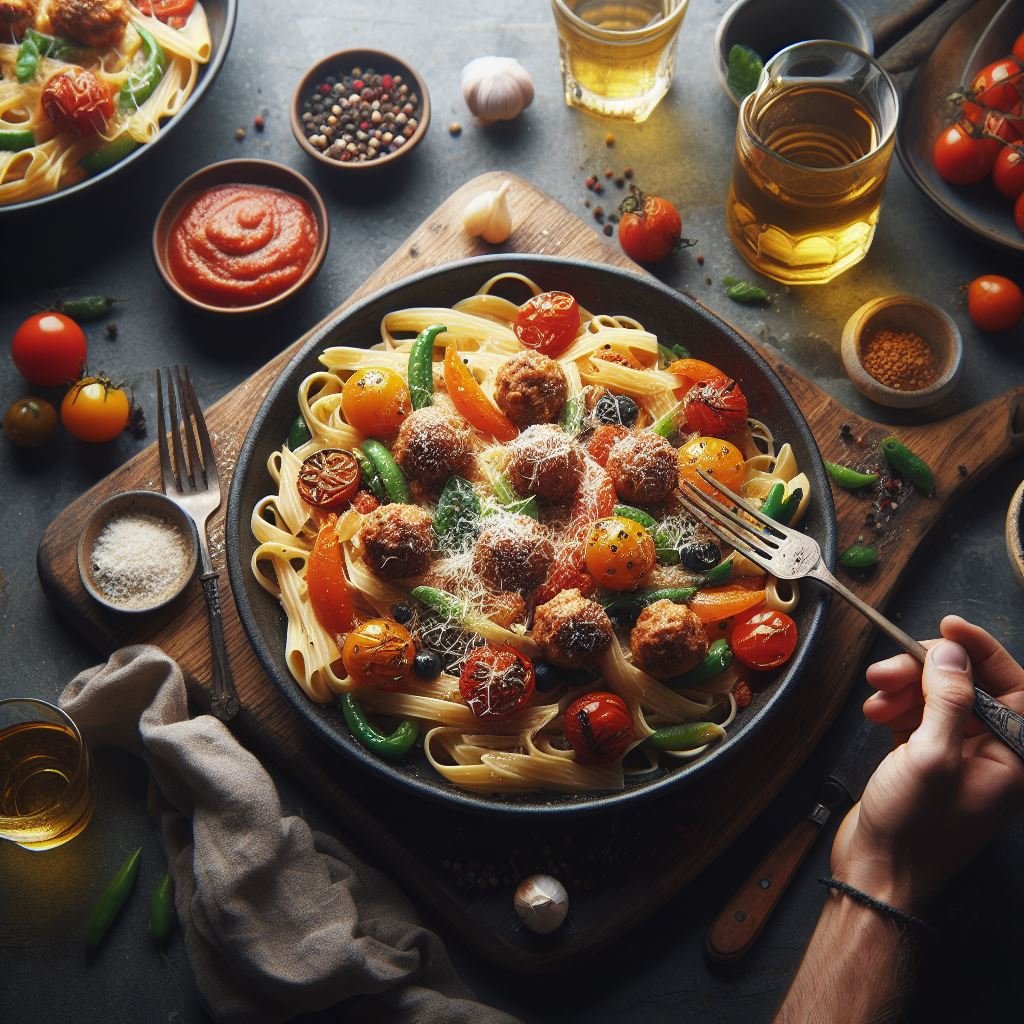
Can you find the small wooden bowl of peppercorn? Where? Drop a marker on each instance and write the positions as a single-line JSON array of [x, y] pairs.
[[902, 351], [360, 110]]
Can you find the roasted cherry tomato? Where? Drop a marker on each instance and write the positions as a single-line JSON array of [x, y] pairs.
[[994, 88], [548, 322], [604, 439], [764, 639], [619, 553], [650, 228], [715, 407], [329, 478], [496, 682], [376, 401], [962, 158], [995, 303], [94, 410], [30, 422], [693, 370], [379, 653], [598, 727], [75, 101], [167, 10], [49, 349], [1008, 172], [721, 459]]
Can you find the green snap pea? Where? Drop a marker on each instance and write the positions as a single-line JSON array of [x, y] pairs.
[[446, 605], [457, 517], [140, 84], [35, 45], [371, 478], [772, 504], [859, 556], [686, 736], [421, 366], [108, 153], [630, 606], [506, 496], [718, 659], [849, 478], [298, 433], [667, 554], [17, 139], [667, 426], [638, 515], [909, 466], [86, 307], [393, 747], [161, 910], [720, 573], [112, 899], [389, 471], [570, 419]]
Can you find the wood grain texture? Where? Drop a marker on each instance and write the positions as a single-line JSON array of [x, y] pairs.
[[389, 826]]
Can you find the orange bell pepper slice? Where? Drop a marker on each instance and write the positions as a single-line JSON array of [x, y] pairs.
[[329, 592], [469, 399], [717, 603]]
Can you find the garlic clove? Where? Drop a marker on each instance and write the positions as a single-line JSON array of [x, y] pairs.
[[496, 88], [488, 215], [541, 903]]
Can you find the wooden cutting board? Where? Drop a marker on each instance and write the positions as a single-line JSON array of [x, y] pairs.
[[461, 868]]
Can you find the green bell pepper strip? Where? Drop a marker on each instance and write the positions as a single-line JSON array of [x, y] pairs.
[[859, 556], [909, 466], [570, 419], [112, 899], [393, 747], [457, 515], [161, 910], [35, 45], [630, 606], [109, 153], [421, 366], [717, 660], [371, 478], [17, 139], [390, 472], [686, 736], [140, 84], [298, 433], [666, 426], [848, 478], [441, 602]]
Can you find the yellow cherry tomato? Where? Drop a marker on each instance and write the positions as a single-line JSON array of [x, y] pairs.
[[378, 653], [376, 401], [619, 553], [722, 460], [94, 410]]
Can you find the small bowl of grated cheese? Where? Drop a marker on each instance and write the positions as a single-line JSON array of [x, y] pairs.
[[137, 552]]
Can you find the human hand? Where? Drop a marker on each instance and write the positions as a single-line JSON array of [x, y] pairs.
[[949, 785]]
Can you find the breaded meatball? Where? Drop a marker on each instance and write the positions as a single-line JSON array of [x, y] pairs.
[[546, 461], [397, 540], [644, 468], [571, 630], [95, 23], [433, 444], [667, 640], [512, 553], [531, 388], [15, 17]]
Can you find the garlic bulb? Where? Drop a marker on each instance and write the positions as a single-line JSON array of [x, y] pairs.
[[542, 903], [496, 88], [488, 215]]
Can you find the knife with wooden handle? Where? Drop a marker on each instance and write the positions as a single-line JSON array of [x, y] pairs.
[[738, 925]]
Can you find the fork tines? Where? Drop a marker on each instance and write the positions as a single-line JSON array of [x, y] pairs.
[[186, 418]]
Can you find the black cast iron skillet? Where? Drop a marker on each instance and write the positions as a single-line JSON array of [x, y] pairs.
[[673, 317]]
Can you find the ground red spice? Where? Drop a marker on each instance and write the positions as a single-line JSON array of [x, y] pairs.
[[902, 360]]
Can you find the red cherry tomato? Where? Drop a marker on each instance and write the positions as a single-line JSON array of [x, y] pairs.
[[598, 727], [650, 228], [1018, 47], [716, 407], [1008, 172], [76, 102], [604, 439], [496, 682], [329, 478], [962, 158], [548, 322], [167, 10], [995, 87], [995, 303], [49, 349], [764, 639]]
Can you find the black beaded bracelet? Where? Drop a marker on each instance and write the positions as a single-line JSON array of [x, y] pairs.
[[877, 905]]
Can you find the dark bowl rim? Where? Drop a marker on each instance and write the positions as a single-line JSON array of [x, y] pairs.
[[446, 793]]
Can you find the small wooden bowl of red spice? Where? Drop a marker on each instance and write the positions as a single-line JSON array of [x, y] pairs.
[[902, 351]]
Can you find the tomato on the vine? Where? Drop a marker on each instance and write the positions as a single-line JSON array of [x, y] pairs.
[[994, 302], [49, 349], [75, 101], [378, 653], [995, 87], [1008, 172], [549, 322], [764, 639], [30, 422], [598, 727], [94, 410], [962, 158], [376, 401], [716, 406], [496, 682], [650, 228]]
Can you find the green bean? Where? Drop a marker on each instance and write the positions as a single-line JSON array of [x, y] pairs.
[[17, 139], [630, 606], [112, 899], [86, 307], [570, 419], [161, 910], [108, 153], [772, 504], [686, 736], [421, 366], [299, 434], [859, 556], [140, 84], [393, 747], [447, 605], [909, 466], [718, 659], [457, 516], [849, 478], [390, 472], [721, 573], [371, 478]]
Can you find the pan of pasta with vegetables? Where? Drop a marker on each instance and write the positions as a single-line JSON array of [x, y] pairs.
[[456, 541]]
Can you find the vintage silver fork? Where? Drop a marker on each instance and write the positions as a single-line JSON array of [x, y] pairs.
[[193, 484], [789, 555]]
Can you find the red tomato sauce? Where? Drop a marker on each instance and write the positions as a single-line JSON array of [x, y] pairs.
[[238, 245]]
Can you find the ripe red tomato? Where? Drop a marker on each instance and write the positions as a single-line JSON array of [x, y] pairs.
[[715, 407], [995, 303], [598, 727], [1018, 47], [548, 322], [496, 682], [76, 102], [764, 639], [1008, 172], [650, 228], [94, 410], [995, 87], [49, 349], [962, 158]]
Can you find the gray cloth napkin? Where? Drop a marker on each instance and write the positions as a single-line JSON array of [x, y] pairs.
[[277, 919]]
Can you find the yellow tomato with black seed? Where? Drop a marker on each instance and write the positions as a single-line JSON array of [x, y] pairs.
[[378, 653], [718, 458], [376, 401], [619, 553]]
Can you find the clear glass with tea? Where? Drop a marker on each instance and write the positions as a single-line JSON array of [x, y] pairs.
[[813, 146], [46, 786], [617, 56]]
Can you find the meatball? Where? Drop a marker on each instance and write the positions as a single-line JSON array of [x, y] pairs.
[[513, 553], [531, 388], [397, 540], [571, 630], [546, 461], [15, 17], [643, 467], [95, 23], [432, 444], [667, 640]]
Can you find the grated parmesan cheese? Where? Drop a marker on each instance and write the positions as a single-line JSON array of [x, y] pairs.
[[139, 560]]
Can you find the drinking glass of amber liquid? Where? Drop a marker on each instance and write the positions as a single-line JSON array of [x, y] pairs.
[[617, 56], [46, 787], [813, 146]]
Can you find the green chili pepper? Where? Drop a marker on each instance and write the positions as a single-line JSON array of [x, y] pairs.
[[630, 606], [686, 736], [457, 517], [440, 601], [298, 433], [17, 139], [371, 478], [859, 556], [108, 153], [393, 747], [744, 291], [718, 659], [421, 366], [849, 478], [909, 466], [667, 426], [86, 307], [112, 899], [390, 472], [140, 84], [161, 910], [721, 573]]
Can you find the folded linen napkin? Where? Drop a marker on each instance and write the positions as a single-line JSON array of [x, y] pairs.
[[277, 919]]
